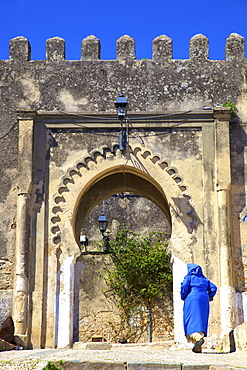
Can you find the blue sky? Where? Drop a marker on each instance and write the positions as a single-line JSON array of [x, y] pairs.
[[144, 20]]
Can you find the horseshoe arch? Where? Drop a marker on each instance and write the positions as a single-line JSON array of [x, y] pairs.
[[97, 176]]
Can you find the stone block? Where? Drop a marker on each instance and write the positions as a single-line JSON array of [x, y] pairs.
[[195, 367], [240, 337], [152, 365], [163, 344], [79, 345], [99, 365], [98, 345], [236, 340], [226, 343]]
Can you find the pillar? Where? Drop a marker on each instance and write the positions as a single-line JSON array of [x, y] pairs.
[[21, 286], [223, 186]]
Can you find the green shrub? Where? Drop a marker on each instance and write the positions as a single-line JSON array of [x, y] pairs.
[[138, 273]]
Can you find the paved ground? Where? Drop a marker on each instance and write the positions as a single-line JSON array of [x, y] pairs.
[[141, 357]]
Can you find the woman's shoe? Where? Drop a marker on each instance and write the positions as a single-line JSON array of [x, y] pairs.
[[198, 346]]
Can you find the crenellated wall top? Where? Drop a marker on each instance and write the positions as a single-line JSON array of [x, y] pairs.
[[125, 48]]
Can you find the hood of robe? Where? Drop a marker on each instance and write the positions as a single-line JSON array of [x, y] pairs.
[[194, 269]]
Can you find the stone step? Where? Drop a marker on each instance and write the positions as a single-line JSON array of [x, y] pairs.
[[107, 345], [79, 365]]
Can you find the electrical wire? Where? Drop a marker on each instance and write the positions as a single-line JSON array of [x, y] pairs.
[[112, 119], [162, 115], [85, 116], [129, 122], [8, 132], [102, 118]]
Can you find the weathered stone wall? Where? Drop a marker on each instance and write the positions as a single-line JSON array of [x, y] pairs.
[[96, 312], [92, 85]]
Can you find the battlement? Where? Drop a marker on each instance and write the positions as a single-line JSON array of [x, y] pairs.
[[20, 49]]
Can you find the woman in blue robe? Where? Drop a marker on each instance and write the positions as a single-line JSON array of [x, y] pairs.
[[196, 292]]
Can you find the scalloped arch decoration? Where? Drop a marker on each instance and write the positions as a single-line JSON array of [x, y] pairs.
[[101, 163]]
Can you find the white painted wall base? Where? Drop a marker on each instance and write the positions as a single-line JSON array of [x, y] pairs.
[[244, 300], [179, 270], [239, 309], [227, 295], [65, 310]]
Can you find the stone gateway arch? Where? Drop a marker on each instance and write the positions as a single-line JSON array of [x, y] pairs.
[[106, 173], [61, 157], [179, 182]]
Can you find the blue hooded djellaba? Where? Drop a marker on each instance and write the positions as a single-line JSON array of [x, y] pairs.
[[196, 292]]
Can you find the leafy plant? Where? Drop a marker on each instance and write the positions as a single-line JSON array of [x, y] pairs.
[[138, 273], [231, 105], [53, 366]]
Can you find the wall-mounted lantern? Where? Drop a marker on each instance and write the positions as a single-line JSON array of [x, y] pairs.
[[102, 223], [84, 241], [121, 105]]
